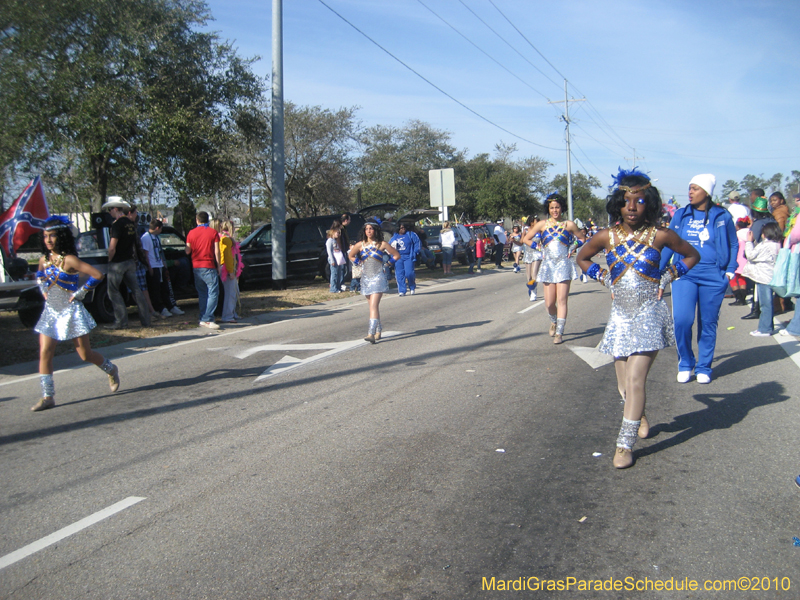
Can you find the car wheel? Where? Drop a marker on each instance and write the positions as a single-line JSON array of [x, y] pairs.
[[101, 306]]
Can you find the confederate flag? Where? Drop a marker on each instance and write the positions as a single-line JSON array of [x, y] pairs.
[[24, 218]]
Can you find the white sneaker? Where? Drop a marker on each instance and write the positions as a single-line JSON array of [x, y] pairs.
[[684, 376], [411, 293], [209, 324], [758, 333], [176, 311], [786, 333], [401, 294], [703, 378], [165, 314], [533, 296]]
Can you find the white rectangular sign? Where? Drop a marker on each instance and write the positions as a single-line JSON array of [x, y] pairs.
[[443, 187]]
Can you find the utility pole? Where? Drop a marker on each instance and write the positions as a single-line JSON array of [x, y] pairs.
[[565, 118], [634, 158], [278, 160]]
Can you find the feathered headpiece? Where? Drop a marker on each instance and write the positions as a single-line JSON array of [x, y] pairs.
[[62, 222], [633, 172]]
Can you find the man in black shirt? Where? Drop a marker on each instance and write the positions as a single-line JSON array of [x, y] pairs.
[[122, 264]]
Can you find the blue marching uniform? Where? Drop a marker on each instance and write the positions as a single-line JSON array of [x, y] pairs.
[[700, 292], [408, 246]]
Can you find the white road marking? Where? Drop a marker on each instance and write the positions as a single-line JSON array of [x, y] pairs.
[[531, 307], [790, 345], [592, 356], [10, 559], [288, 362]]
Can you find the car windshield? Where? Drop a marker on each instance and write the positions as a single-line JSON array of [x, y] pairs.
[[432, 231], [86, 242], [171, 240]]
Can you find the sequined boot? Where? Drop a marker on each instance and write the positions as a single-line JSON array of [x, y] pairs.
[[112, 371], [623, 457], [553, 324], [559, 330], [378, 331], [48, 392], [373, 327]]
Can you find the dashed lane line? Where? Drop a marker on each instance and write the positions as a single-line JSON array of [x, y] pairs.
[[10, 559]]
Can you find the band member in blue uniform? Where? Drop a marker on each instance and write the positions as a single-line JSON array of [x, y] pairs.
[[407, 243], [710, 230], [64, 316], [558, 236], [640, 323]]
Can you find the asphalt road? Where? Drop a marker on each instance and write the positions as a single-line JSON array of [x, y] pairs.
[[286, 458]]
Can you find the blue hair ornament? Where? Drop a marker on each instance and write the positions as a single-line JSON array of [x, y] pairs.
[[623, 174], [62, 222]]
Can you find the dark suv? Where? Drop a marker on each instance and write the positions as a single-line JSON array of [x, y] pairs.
[[306, 255]]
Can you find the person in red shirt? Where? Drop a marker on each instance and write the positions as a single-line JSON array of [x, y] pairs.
[[202, 244]]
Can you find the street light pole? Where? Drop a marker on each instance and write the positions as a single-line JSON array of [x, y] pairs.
[[278, 160]]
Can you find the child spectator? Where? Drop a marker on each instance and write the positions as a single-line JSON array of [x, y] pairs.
[[355, 281], [480, 249], [760, 267], [738, 283], [469, 253]]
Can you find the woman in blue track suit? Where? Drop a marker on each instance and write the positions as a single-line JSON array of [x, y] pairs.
[[407, 243], [710, 229]]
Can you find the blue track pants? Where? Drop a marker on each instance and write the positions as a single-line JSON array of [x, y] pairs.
[[704, 299]]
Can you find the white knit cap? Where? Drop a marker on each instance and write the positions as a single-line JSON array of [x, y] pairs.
[[706, 181]]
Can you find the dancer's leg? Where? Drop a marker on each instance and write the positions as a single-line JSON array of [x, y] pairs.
[[638, 366]]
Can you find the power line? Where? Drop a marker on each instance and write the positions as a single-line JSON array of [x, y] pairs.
[[508, 43], [527, 40], [483, 51], [587, 158], [599, 142], [524, 37], [433, 85]]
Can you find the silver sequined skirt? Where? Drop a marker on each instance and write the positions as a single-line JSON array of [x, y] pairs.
[[373, 279], [639, 322], [557, 267], [62, 319], [530, 255]]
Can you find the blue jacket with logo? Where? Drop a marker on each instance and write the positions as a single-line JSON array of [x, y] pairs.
[[725, 246]]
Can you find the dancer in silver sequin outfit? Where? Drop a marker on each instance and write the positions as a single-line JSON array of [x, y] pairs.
[[369, 253], [64, 316], [640, 323], [558, 269]]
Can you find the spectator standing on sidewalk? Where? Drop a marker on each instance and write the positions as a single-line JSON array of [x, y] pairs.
[[760, 268], [202, 244], [500, 239], [157, 278], [448, 239], [337, 260], [122, 264]]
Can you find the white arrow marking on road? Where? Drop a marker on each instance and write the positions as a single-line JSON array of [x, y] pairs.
[[287, 363], [592, 356]]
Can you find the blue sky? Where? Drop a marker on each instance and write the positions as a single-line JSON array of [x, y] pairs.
[[693, 87]]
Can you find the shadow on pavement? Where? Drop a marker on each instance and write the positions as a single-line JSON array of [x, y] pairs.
[[722, 411]]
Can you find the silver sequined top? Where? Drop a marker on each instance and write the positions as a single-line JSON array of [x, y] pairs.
[[639, 321], [62, 319]]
